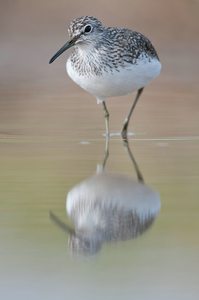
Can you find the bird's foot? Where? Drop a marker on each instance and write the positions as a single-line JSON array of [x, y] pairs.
[[124, 131], [107, 135]]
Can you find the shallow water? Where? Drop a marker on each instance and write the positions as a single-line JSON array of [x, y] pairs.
[[52, 139], [37, 172]]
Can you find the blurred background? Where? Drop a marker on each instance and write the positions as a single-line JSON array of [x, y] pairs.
[[32, 31], [51, 138]]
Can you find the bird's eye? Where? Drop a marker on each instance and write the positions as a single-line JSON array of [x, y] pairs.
[[87, 28]]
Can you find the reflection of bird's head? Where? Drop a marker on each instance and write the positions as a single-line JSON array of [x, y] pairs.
[[83, 246]]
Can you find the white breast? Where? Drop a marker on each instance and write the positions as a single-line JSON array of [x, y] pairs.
[[117, 83]]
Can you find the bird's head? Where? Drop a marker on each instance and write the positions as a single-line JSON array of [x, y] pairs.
[[82, 31]]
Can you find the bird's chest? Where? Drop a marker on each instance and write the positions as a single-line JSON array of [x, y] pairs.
[[101, 82], [87, 72], [84, 63], [104, 78]]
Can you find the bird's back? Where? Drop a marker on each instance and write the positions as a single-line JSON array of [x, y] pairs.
[[127, 46]]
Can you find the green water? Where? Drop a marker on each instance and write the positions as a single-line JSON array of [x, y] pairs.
[[37, 173]]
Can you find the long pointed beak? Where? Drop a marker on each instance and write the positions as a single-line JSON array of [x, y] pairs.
[[68, 45], [66, 228]]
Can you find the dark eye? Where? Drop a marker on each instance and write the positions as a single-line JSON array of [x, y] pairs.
[[88, 28]]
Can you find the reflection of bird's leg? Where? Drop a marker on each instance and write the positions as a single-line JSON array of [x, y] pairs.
[[61, 224], [106, 152], [139, 174], [101, 167]]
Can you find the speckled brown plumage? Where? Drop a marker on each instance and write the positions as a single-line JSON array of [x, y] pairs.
[[113, 48]]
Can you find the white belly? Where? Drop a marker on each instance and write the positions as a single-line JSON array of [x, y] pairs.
[[127, 80]]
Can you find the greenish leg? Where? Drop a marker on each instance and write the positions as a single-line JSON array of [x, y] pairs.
[[126, 122], [106, 115]]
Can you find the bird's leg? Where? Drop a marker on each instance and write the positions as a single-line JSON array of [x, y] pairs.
[[106, 115], [126, 122]]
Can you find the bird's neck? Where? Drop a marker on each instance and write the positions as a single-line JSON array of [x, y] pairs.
[[85, 59], [84, 51]]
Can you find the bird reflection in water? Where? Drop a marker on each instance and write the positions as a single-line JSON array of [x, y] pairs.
[[108, 207]]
